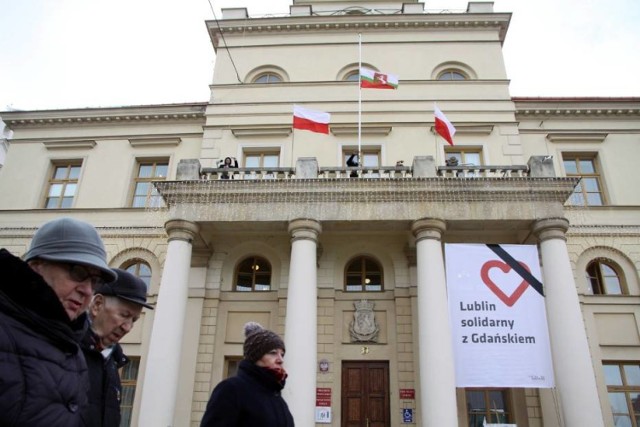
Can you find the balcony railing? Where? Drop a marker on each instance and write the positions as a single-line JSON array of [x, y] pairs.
[[463, 171]]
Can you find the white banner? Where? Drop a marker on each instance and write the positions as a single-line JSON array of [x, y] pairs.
[[498, 317]]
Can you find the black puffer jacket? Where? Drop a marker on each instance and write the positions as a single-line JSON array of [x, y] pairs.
[[43, 374], [250, 399], [105, 387]]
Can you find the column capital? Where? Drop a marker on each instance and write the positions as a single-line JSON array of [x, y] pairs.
[[304, 229], [428, 228], [551, 228], [179, 229]]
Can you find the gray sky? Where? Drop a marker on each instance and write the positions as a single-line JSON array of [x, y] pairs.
[[98, 53]]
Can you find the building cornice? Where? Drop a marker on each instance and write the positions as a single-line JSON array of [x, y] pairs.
[[587, 107], [341, 23], [105, 116]]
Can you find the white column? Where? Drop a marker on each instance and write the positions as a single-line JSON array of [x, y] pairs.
[[437, 372], [575, 378], [300, 331], [160, 386]]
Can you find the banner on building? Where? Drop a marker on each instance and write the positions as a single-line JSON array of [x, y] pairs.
[[498, 318]]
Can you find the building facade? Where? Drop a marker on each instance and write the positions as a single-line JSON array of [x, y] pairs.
[[298, 241]]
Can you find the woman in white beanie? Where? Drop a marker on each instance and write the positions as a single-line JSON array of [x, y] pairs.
[[253, 397]]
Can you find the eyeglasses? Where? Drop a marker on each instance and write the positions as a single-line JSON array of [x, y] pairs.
[[80, 273]]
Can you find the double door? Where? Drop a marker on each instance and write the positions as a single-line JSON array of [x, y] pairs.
[[365, 394]]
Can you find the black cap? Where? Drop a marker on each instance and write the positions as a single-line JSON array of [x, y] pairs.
[[127, 287]]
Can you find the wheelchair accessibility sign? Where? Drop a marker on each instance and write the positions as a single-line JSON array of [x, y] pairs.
[[407, 415]]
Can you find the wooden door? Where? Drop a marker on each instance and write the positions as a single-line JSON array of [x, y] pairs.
[[365, 394]]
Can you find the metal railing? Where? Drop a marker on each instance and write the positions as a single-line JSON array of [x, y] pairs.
[[462, 171]]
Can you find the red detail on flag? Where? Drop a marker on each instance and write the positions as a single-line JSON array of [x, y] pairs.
[[443, 126], [313, 120], [306, 124]]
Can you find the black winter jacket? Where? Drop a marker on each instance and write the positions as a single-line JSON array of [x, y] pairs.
[[105, 389], [43, 374], [250, 399]]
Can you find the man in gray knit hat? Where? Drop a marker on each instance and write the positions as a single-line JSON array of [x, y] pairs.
[[42, 316]]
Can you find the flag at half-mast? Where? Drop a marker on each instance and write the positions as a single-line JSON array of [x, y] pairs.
[[371, 79], [312, 120], [443, 126]]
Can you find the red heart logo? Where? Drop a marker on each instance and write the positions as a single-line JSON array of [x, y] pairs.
[[509, 300]]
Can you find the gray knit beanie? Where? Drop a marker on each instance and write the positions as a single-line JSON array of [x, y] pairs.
[[259, 341]]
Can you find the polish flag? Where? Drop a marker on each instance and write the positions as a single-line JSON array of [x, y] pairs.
[[313, 120], [443, 125]]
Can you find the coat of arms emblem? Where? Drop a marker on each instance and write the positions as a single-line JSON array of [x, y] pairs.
[[364, 327]]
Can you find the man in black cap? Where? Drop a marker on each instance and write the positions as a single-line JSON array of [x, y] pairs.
[[114, 309], [43, 299]]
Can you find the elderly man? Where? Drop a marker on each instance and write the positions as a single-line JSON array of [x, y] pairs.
[[42, 317], [113, 311]]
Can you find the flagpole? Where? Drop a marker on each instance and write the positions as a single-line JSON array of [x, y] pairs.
[[359, 101]]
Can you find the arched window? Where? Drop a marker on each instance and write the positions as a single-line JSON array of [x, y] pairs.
[[253, 274], [604, 278], [268, 78], [452, 75], [140, 269], [353, 76], [363, 274]]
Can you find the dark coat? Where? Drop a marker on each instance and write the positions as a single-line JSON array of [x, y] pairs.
[[43, 374], [105, 389], [250, 399]]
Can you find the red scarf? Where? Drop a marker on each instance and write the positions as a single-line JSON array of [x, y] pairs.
[[279, 373]]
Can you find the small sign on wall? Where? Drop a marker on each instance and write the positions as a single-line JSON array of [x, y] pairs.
[[407, 415], [407, 393], [323, 415]]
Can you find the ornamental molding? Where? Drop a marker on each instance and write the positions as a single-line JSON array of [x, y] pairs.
[[358, 22], [155, 142], [345, 130], [100, 116], [69, 145], [261, 132], [576, 137]]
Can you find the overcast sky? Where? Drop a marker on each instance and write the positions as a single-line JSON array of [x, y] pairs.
[[97, 53]]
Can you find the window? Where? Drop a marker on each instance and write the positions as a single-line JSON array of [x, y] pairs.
[[588, 192], [472, 157], [452, 75], [63, 185], [145, 194], [363, 274], [489, 404], [467, 157], [268, 78], [268, 159], [231, 364], [253, 274], [142, 270], [604, 279], [353, 76], [129, 379], [623, 386]]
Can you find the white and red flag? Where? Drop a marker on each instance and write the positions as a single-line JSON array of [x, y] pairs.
[[371, 79], [313, 120], [443, 126]]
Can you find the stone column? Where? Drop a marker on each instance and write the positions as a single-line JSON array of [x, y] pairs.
[[575, 379], [162, 371], [437, 371], [300, 331]]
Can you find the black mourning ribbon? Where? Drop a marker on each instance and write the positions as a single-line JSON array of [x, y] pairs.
[[528, 277]]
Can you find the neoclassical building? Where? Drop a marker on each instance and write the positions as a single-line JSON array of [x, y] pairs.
[[295, 239]]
